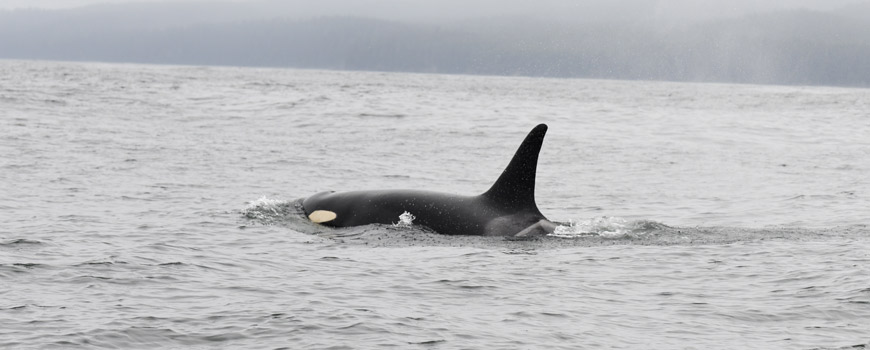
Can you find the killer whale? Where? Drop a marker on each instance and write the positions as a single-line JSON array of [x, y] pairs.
[[508, 208]]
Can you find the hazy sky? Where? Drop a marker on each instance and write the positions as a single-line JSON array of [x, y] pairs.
[[13, 4], [464, 9]]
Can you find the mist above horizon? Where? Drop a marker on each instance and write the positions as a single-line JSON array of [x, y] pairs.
[[448, 10], [795, 42]]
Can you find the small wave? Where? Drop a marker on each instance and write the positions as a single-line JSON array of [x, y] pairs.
[[29, 265], [96, 263], [19, 241], [847, 347], [377, 115], [25, 306]]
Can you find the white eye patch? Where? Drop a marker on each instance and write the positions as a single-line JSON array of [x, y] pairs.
[[321, 216]]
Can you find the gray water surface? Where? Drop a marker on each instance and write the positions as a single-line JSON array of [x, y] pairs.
[[155, 207]]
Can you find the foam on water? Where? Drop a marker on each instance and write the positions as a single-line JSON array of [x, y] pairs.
[[264, 210], [604, 226]]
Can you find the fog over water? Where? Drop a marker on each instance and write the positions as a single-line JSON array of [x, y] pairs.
[[795, 42]]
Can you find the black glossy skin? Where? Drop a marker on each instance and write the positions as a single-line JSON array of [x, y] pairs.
[[508, 208], [445, 213]]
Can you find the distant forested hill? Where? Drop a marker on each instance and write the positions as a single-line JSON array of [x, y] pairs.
[[794, 47]]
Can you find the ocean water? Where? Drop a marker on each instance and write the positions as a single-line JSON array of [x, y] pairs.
[[156, 207]]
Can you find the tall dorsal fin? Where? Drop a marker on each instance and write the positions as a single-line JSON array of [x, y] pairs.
[[515, 188]]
